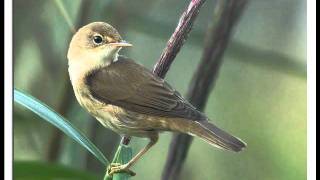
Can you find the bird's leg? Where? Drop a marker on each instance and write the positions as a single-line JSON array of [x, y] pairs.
[[116, 168]]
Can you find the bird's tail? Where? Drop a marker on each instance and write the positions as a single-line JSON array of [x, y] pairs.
[[215, 136]]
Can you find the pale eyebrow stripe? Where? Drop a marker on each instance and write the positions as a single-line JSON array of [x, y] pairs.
[[110, 39]]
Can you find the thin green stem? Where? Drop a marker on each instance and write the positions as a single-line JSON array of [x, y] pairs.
[[65, 14], [122, 156]]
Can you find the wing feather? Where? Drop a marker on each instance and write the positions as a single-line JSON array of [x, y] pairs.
[[133, 87]]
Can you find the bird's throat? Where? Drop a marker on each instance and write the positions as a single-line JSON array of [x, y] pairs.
[[110, 56]]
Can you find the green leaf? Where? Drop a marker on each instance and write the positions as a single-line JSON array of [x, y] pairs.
[[34, 170], [122, 156], [57, 120]]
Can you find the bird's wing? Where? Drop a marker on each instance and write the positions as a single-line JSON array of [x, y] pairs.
[[133, 87]]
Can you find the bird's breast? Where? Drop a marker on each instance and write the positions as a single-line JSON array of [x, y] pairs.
[[108, 115], [118, 119]]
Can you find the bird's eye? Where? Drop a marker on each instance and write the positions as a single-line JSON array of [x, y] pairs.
[[97, 39]]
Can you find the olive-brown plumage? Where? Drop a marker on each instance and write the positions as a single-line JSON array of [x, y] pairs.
[[128, 98]]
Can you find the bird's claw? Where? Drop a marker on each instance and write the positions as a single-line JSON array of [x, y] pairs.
[[118, 168]]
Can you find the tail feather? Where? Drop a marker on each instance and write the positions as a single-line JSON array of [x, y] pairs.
[[216, 136]]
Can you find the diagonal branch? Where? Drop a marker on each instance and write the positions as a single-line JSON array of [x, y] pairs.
[[178, 38], [175, 43], [226, 14]]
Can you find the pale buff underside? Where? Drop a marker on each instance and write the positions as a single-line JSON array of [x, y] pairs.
[[126, 122]]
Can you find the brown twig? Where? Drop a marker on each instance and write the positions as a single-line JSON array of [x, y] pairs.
[[175, 42], [226, 14], [178, 38]]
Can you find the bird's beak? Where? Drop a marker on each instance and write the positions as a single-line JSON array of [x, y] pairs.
[[121, 44]]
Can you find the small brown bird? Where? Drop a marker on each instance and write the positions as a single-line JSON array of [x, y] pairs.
[[130, 99]]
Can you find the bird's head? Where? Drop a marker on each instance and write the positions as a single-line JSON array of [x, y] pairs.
[[93, 45]]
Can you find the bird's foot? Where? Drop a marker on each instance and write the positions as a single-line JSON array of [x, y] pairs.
[[118, 168]]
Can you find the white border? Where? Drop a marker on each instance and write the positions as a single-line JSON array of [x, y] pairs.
[[311, 56], [8, 90], [311, 59]]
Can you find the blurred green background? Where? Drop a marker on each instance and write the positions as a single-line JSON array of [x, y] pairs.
[[260, 94]]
